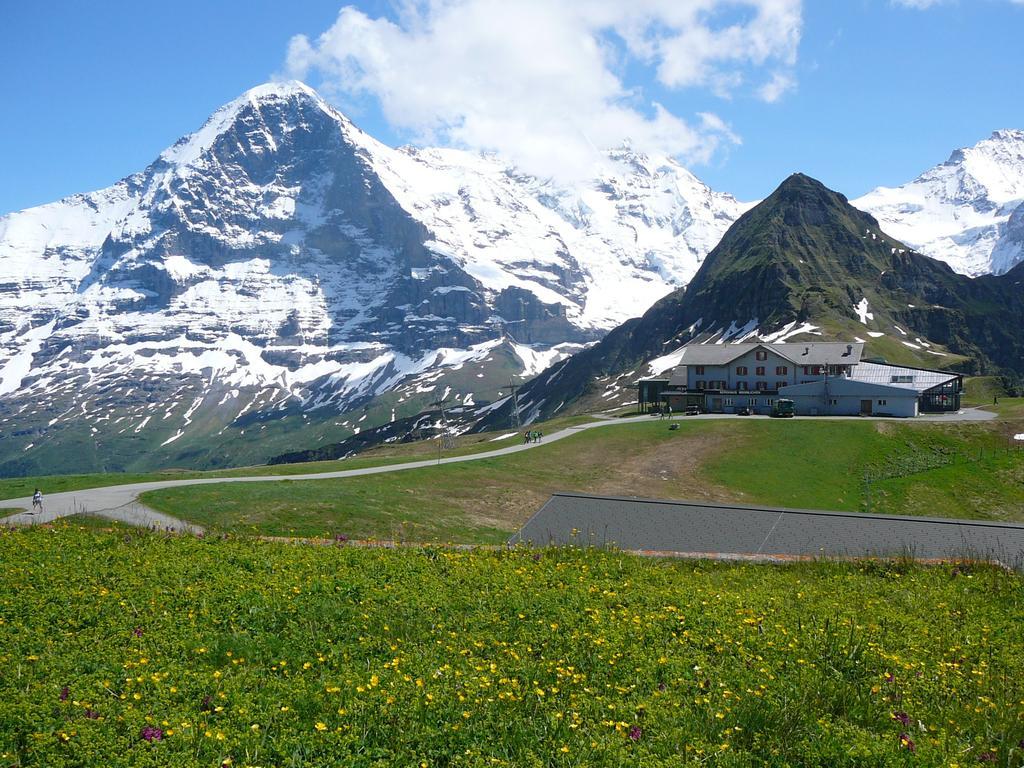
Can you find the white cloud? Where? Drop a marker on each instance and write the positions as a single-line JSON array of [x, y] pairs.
[[541, 81], [780, 84], [918, 4]]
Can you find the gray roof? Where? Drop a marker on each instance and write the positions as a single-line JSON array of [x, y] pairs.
[[840, 387], [896, 376], [800, 353], [720, 529]]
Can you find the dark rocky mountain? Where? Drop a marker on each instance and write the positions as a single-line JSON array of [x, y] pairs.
[[803, 263]]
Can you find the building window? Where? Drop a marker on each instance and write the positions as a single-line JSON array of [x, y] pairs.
[[883, 402], [761, 354], [699, 370], [700, 385], [901, 379], [759, 371], [833, 401], [780, 384], [769, 401], [781, 370], [752, 401], [728, 401], [762, 385], [741, 386], [741, 370]]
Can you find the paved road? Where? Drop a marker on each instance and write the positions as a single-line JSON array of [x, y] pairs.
[[120, 502], [746, 532]]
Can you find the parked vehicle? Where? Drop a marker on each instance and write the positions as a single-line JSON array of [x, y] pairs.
[[691, 410], [744, 411], [783, 408]]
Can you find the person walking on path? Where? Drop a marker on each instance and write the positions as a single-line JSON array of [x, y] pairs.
[[37, 501]]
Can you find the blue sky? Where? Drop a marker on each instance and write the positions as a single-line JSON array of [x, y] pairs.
[[871, 91]]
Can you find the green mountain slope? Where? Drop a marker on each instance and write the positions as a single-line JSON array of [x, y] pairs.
[[804, 258]]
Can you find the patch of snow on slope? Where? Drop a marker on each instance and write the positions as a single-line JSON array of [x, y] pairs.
[[536, 359], [17, 367], [738, 331], [861, 309], [659, 365], [788, 331]]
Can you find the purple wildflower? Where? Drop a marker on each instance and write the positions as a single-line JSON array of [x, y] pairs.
[[902, 717], [987, 757], [92, 714], [635, 733], [152, 733], [341, 538], [907, 743], [890, 677], [662, 687], [137, 632], [64, 693], [206, 705]]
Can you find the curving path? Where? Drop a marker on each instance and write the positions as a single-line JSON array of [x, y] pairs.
[[121, 502]]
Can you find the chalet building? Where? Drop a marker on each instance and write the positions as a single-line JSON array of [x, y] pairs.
[[821, 378]]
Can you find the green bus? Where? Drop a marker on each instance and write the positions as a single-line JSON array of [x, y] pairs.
[[783, 408]]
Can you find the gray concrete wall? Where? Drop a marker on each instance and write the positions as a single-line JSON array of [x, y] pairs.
[[849, 405]]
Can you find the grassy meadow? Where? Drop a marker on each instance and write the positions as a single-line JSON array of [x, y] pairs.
[[394, 453], [956, 470], [143, 650]]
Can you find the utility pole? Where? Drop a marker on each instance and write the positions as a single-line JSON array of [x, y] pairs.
[[447, 442], [513, 391]]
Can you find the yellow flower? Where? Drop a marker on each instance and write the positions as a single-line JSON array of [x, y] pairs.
[[321, 726]]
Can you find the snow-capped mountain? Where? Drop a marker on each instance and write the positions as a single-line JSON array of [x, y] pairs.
[[280, 269], [968, 211]]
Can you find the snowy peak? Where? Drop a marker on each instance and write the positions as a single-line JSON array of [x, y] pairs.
[[991, 171], [291, 94], [959, 211], [279, 266]]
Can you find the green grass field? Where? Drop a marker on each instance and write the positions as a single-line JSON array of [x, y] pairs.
[[143, 650], [395, 453], [960, 470]]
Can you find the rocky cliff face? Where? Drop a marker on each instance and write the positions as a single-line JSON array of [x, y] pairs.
[[280, 271]]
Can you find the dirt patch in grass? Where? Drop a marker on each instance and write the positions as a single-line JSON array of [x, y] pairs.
[[665, 467], [674, 469]]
